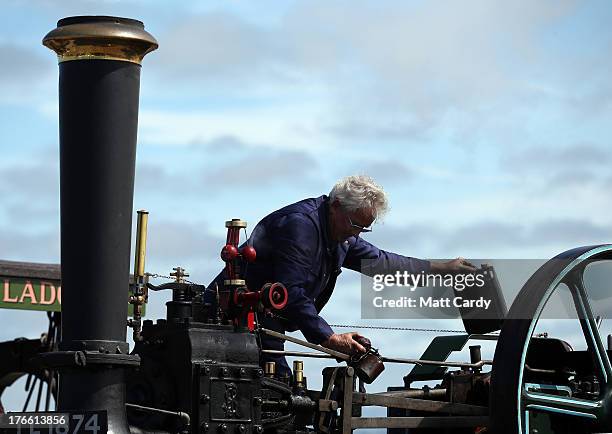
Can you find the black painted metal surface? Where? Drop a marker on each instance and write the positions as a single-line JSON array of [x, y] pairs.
[[99, 79]]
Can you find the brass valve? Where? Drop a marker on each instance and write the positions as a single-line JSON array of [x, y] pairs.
[[179, 274]]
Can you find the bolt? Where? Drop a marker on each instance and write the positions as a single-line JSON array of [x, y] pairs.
[[241, 428], [259, 373], [223, 427], [204, 399], [241, 372], [257, 401], [258, 429], [224, 372], [204, 427], [206, 370]]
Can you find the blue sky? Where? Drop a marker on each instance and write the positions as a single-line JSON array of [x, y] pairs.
[[487, 122]]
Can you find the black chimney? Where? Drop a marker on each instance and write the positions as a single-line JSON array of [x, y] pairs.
[[99, 79]]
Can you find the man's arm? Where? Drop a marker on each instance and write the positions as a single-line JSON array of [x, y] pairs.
[[368, 259]]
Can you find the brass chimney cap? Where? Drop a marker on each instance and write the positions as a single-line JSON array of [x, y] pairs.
[[100, 37]]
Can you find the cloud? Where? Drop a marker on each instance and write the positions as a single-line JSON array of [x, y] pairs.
[[542, 159], [379, 128], [558, 233], [21, 64], [32, 213], [225, 142], [226, 163], [157, 179], [385, 75], [21, 244], [487, 236], [407, 240], [180, 240], [386, 171], [568, 169], [31, 184], [283, 125], [36, 180], [215, 46], [25, 75], [261, 168]]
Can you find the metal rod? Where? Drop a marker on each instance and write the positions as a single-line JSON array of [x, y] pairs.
[[49, 388], [420, 404], [27, 385], [298, 354], [32, 385], [438, 363], [283, 336], [416, 393], [181, 415], [419, 422], [39, 395], [384, 359]]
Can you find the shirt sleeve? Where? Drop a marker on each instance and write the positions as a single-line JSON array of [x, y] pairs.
[[368, 259], [296, 240]]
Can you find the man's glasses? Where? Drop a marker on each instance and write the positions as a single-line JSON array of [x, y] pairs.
[[361, 228]]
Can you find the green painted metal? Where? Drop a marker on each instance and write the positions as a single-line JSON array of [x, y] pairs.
[[439, 349], [30, 294], [34, 286]]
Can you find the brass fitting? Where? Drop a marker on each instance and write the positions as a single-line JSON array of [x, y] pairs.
[[270, 369], [179, 274], [235, 223], [298, 372], [100, 37], [141, 244]]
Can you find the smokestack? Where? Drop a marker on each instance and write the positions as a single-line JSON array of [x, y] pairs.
[[99, 79]]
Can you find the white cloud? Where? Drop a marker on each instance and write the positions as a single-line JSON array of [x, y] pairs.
[[284, 127]]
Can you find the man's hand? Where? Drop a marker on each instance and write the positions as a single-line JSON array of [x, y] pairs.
[[459, 265], [345, 343]]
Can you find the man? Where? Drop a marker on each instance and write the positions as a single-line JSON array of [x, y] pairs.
[[305, 244]]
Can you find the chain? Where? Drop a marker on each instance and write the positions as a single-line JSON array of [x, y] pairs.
[[411, 329], [161, 276]]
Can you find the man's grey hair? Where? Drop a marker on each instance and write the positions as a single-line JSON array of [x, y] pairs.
[[360, 192]]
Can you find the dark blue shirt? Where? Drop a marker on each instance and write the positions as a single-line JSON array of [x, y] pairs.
[[293, 247]]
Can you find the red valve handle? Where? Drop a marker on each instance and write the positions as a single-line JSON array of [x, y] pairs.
[[229, 253], [276, 295], [248, 253]]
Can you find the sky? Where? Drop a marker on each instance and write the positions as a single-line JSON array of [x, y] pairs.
[[487, 123]]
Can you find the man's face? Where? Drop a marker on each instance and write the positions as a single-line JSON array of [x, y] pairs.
[[346, 224]]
